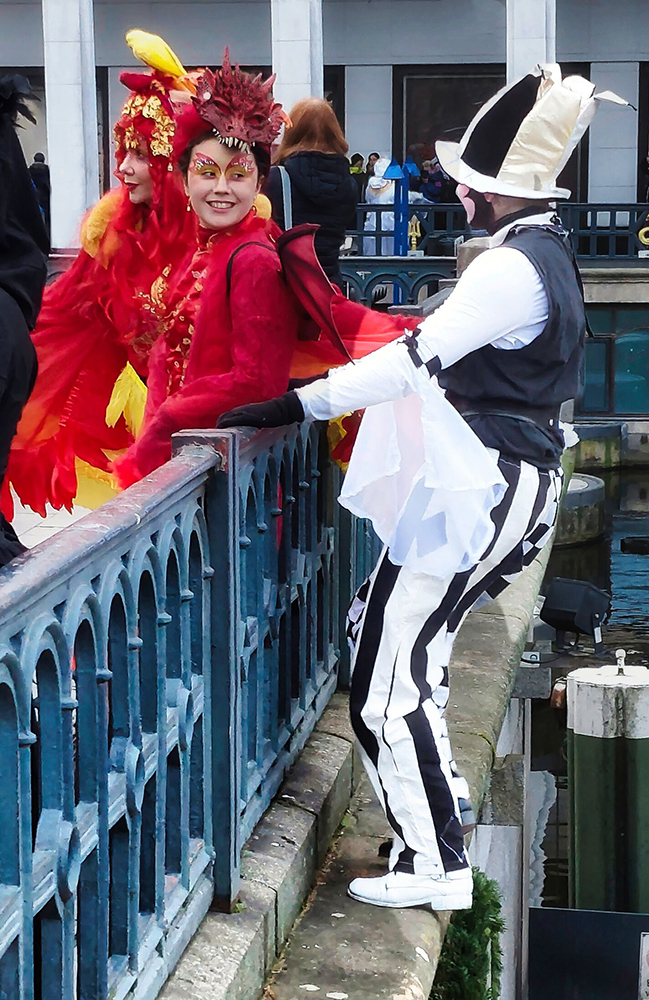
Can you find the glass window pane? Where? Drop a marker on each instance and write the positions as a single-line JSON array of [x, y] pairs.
[[632, 318], [595, 398], [631, 394], [440, 105], [600, 319]]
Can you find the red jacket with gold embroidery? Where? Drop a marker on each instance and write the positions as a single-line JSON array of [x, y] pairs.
[[228, 339]]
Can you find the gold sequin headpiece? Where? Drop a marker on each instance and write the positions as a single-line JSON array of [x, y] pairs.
[[147, 115]]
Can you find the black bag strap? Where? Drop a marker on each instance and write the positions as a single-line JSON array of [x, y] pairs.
[[242, 246]]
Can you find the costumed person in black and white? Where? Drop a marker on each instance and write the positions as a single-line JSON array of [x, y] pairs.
[[457, 464], [23, 270]]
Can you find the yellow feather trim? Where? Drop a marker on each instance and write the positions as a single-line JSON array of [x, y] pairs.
[[96, 221], [128, 399], [263, 207], [336, 432], [94, 487]]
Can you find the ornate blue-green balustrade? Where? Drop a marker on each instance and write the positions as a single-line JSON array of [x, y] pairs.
[[162, 661]]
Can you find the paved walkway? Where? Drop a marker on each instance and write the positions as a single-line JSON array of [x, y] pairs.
[[341, 949], [31, 528]]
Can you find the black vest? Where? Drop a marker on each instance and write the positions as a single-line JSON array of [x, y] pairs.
[[538, 377], [549, 370]]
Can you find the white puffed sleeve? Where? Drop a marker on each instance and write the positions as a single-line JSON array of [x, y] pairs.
[[381, 376]]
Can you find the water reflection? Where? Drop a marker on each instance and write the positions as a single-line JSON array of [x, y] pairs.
[[626, 577]]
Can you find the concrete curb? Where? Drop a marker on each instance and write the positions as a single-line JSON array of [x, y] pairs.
[[232, 955]]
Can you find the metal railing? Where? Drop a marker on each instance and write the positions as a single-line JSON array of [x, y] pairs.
[[383, 281], [600, 230], [374, 272], [603, 233], [440, 226], [162, 662]]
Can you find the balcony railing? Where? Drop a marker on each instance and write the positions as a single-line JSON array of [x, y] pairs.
[[162, 662], [376, 273]]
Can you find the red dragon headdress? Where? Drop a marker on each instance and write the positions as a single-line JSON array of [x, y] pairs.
[[238, 108]]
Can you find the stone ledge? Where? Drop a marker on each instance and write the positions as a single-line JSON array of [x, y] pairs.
[[232, 954], [321, 784]]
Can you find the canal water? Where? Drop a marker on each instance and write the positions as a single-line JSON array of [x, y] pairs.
[[626, 577]]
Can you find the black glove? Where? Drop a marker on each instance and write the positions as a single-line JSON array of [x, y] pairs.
[[286, 409]]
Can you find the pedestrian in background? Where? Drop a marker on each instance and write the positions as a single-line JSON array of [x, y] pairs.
[[371, 163], [357, 170], [432, 179], [311, 180], [40, 175], [381, 192]]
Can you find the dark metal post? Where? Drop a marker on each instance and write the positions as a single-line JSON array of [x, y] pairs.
[[346, 530]]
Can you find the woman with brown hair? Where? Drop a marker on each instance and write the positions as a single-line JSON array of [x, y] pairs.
[[311, 181]]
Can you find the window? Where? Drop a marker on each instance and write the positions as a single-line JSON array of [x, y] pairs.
[[617, 362]]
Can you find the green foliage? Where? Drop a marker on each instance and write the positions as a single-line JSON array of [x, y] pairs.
[[471, 961]]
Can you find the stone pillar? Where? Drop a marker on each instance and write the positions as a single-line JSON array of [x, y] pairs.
[[368, 109], [613, 144], [531, 35], [298, 57], [70, 87]]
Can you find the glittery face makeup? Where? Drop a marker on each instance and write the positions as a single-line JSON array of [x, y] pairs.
[[241, 165], [221, 187]]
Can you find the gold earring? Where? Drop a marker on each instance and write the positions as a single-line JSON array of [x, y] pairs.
[[189, 205]]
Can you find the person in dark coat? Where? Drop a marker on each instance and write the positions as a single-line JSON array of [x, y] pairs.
[[40, 174], [356, 169], [322, 190], [23, 270]]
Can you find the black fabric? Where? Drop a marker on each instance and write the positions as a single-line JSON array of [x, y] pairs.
[[17, 376], [322, 192], [543, 374], [511, 473], [519, 440], [286, 409], [433, 367], [512, 564], [450, 841], [384, 583], [23, 240], [492, 136]]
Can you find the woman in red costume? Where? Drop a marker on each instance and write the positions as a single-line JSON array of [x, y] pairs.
[[102, 313], [231, 328]]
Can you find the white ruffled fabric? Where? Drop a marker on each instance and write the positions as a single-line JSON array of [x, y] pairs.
[[425, 480]]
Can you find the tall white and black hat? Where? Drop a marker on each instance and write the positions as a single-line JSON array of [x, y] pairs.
[[520, 140]]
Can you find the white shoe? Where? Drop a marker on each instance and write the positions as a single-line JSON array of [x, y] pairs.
[[452, 891]]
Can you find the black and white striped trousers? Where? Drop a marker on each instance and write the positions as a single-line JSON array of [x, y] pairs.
[[404, 635]]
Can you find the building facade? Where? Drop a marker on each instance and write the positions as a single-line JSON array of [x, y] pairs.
[[400, 73]]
